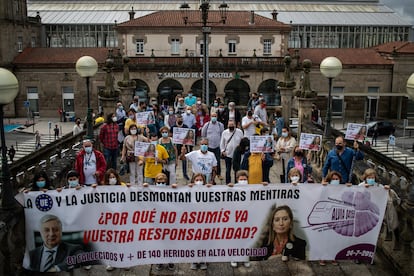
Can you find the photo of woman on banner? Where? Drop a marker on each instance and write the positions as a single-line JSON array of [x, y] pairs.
[[189, 138], [280, 239], [316, 143], [361, 133], [150, 151], [51, 256]]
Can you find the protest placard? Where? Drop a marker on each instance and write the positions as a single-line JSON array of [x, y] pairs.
[[309, 141], [184, 136], [356, 132], [261, 143], [144, 149], [145, 118]]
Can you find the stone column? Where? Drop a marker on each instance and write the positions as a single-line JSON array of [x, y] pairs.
[[304, 111], [126, 95], [108, 105], [286, 99]]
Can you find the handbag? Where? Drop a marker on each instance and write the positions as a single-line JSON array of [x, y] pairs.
[[130, 157]]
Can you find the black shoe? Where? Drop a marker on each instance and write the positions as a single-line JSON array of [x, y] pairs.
[[171, 267], [186, 177], [159, 267]]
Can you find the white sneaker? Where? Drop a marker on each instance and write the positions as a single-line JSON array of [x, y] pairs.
[[193, 266], [233, 264], [203, 266], [246, 264], [87, 267], [109, 268]]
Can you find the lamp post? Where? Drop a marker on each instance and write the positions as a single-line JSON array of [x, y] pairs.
[[9, 88], [87, 67], [204, 9], [330, 67]]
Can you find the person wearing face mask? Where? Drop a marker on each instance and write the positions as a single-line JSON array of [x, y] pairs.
[[41, 182], [120, 114], [214, 106], [277, 123], [261, 112], [221, 113], [166, 142], [108, 136], [132, 120], [201, 120], [202, 161], [189, 118], [212, 131], [294, 176], [77, 128], [249, 124], [180, 124], [231, 113], [197, 180], [136, 175], [154, 164], [90, 164], [300, 162], [170, 119], [333, 177], [181, 107], [230, 139], [190, 100], [134, 105], [72, 179], [341, 159], [253, 102], [284, 149], [112, 178]]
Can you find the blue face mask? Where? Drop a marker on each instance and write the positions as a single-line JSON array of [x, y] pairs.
[[165, 134], [88, 149], [334, 181], [73, 183], [370, 181], [213, 119], [284, 134], [41, 184], [204, 148], [154, 142]]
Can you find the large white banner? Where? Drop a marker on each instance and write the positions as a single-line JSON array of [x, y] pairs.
[[127, 226]]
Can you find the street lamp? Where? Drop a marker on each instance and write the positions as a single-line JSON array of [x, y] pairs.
[[9, 88], [87, 67], [330, 67], [204, 8]]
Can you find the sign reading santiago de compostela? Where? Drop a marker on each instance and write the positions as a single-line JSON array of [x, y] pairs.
[[196, 75]]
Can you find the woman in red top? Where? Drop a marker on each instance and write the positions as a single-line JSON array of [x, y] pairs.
[[201, 120]]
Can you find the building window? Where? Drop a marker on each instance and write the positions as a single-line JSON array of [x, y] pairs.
[[232, 46], [175, 46], [68, 97], [33, 99], [201, 48], [337, 101], [20, 44], [140, 46], [267, 46]]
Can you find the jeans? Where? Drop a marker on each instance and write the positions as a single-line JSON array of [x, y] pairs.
[[111, 156], [228, 162], [217, 154]]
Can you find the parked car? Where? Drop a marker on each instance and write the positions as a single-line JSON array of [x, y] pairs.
[[384, 127]]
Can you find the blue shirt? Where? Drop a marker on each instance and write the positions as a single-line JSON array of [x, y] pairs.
[[189, 101], [332, 162]]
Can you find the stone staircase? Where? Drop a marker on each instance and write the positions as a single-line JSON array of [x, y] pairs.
[[25, 148], [398, 154]]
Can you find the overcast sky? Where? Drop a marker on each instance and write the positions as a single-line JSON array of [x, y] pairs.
[[403, 7]]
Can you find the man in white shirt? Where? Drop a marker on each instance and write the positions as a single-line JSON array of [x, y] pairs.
[[202, 160], [249, 124], [261, 112], [230, 139], [134, 104], [212, 131]]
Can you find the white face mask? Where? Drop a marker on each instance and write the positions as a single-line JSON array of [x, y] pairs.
[[188, 112], [161, 184], [198, 102], [294, 179], [133, 131], [112, 181], [242, 182], [114, 119], [199, 182]]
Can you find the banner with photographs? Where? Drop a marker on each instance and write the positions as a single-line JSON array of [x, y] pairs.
[[145, 149], [262, 143], [309, 141], [145, 118], [184, 136], [356, 132], [127, 226]]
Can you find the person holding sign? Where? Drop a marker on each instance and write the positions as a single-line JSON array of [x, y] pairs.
[[281, 240], [52, 254], [300, 162], [153, 165], [202, 160], [127, 155], [166, 142], [341, 159]]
